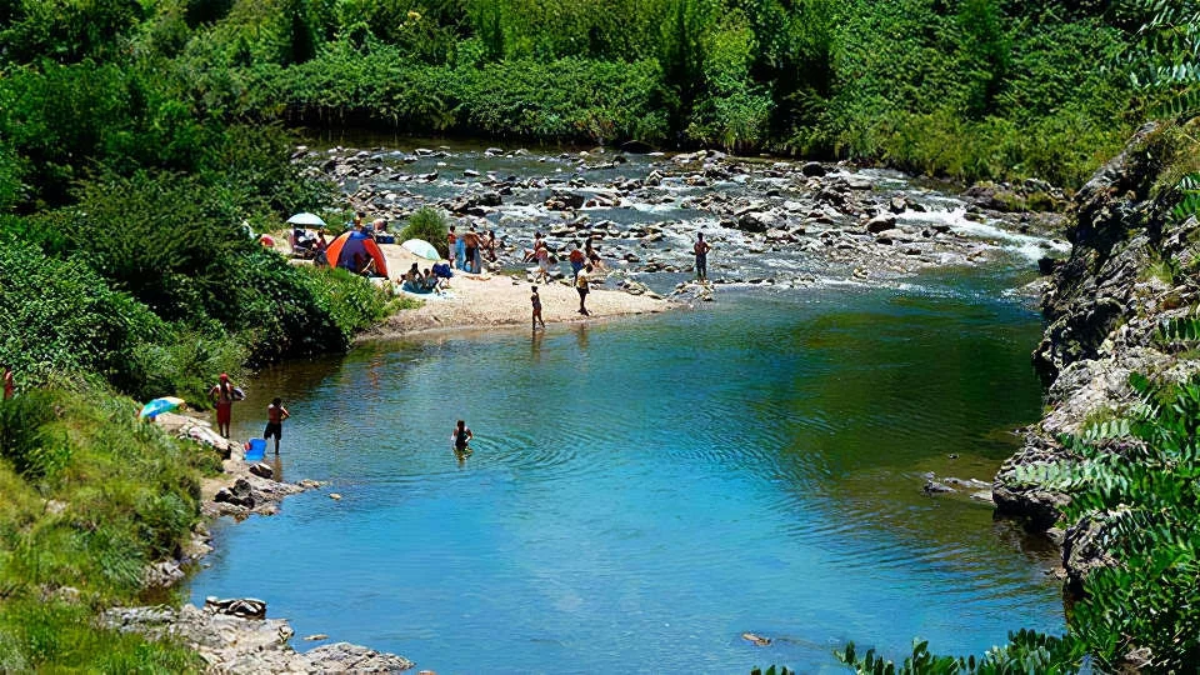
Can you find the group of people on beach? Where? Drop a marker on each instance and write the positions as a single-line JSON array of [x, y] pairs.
[[471, 249], [540, 253]]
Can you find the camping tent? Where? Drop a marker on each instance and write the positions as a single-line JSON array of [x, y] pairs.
[[347, 244]]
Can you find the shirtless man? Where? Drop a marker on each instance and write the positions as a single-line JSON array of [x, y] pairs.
[[701, 250], [471, 250], [276, 414], [223, 395]]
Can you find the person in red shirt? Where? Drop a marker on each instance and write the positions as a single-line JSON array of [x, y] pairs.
[[577, 259], [8, 383]]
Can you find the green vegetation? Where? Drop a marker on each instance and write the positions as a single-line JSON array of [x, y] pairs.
[[431, 225], [1026, 652], [972, 89], [91, 496], [127, 252], [127, 197]]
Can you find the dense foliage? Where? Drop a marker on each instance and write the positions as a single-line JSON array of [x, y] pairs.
[[127, 251], [1135, 482], [967, 88]]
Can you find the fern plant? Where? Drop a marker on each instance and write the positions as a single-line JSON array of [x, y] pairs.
[[1165, 64], [1143, 484]]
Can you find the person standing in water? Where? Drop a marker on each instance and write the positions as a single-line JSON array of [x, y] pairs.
[[462, 439], [701, 250], [536, 301], [223, 395], [276, 414]]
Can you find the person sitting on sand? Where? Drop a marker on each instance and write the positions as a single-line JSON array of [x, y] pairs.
[[320, 246], [581, 285], [536, 301], [430, 280], [443, 273], [364, 264], [413, 281]]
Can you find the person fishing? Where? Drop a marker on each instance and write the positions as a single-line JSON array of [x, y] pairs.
[[701, 250]]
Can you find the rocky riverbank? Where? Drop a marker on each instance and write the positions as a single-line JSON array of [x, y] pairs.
[[235, 635], [1131, 272], [775, 223]]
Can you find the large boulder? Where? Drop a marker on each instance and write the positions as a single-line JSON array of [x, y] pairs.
[[881, 223]]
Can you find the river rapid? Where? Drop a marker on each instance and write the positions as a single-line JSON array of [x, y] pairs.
[[645, 491]]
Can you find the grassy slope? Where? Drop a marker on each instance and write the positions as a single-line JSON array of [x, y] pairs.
[[99, 495]]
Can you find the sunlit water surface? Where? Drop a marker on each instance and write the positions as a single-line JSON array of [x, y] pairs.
[[644, 491]]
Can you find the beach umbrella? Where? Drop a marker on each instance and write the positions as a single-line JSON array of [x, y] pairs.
[[306, 219], [160, 405], [421, 249]]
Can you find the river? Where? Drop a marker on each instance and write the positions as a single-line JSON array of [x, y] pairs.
[[644, 491]]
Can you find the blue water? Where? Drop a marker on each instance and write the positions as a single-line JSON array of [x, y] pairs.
[[644, 491]]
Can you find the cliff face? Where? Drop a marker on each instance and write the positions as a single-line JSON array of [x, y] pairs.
[[1132, 267]]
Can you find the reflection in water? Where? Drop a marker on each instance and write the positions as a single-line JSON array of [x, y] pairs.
[[649, 490], [581, 338], [535, 346]]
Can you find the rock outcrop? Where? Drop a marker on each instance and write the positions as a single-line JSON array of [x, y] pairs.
[[1131, 269], [234, 636]]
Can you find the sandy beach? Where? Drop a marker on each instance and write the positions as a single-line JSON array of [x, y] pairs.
[[478, 301]]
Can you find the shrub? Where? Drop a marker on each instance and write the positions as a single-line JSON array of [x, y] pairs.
[[58, 319], [432, 226], [1135, 485]]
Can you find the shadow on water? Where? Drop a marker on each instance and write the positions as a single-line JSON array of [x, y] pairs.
[[643, 492]]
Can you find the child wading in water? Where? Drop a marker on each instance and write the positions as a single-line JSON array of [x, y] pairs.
[[462, 440], [276, 414], [536, 301]]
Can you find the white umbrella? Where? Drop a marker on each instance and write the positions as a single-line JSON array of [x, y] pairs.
[[422, 249], [306, 219]]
